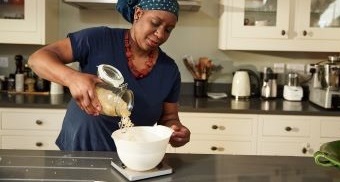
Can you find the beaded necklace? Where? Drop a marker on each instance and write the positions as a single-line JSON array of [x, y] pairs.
[[138, 73]]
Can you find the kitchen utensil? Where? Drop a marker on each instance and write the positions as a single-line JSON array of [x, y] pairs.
[[269, 85], [113, 95], [240, 88], [191, 66], [329, 154], [142, 148]]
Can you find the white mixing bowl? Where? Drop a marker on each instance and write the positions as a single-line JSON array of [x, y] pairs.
[[142, 148]]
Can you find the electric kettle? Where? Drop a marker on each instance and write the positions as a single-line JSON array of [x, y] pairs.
[[240, 88]]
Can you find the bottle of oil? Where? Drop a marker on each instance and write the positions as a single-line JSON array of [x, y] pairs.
[[19, 74]]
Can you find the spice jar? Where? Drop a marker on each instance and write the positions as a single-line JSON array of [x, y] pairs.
[[113, 95]]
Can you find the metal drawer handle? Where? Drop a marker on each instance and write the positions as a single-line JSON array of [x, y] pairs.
[[288, 128], [39, 144], [38, 122], [213, 148], [304, 150], [304, 33], [283, 32]]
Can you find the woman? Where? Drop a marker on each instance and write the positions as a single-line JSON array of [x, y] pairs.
[[150, 73]]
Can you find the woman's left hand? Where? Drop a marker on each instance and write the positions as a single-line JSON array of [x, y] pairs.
[[180, 136]]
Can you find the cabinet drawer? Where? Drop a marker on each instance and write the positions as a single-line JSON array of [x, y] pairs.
[[218, 147], [219, 125], [285, 148], [29, 142], [330, 128], [32, 120], [286, 127]]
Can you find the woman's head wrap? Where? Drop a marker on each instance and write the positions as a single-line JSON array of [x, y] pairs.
[[127, 7]]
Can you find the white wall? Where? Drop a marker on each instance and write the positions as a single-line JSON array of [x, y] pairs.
[[196, 34]]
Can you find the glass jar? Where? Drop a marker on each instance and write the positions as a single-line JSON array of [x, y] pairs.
[[113, 95]]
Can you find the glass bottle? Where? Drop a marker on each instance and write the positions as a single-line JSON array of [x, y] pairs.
[[114, 96], [19, 74]]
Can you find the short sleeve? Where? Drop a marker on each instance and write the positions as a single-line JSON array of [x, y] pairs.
[[173, 95]]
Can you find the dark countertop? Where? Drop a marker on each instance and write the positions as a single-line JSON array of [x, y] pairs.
[[31, 165], [58, 101], [188, 103]]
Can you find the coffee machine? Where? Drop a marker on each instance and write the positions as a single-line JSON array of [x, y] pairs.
[[324, 87], [269, 85]]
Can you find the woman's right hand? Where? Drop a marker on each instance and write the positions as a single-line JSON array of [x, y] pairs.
[[83, 89]]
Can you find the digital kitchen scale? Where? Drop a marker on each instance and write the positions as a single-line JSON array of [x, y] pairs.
[[160, 170]]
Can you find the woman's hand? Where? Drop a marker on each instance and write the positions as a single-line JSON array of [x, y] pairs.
[[180, 136], [83, 89]]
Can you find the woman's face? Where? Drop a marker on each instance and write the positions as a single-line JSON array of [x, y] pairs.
[[152, 27]]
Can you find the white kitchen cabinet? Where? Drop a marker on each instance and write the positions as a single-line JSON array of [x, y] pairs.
[[29, 22], [288, 135], [280, 25], [213, 133], [30, 128], [257, 134]]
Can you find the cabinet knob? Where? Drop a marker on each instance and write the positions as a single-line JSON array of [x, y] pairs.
[[38, 122], [304, 150], [214, 127], [39, 144], [304, 33], [213, 148], [288, 128], [283, 32]]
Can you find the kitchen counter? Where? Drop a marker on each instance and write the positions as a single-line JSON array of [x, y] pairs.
[[30, 165], [187, 104], [58, 101]]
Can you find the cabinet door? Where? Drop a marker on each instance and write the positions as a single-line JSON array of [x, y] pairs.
[[32, 120], [286, 148], [260, 19], [288, 135], [31, 142], [318, 19], [19, 16], [218, 147], [29, 21], [279, 25]]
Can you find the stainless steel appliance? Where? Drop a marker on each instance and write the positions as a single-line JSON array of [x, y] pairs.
[[269, 85], [324, 88]]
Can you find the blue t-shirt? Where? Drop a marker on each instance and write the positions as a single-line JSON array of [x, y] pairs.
[[103, 45]]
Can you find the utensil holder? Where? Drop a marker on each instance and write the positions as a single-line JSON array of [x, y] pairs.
[[200, 88]]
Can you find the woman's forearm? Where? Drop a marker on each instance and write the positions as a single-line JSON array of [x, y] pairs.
[[49, 63]]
